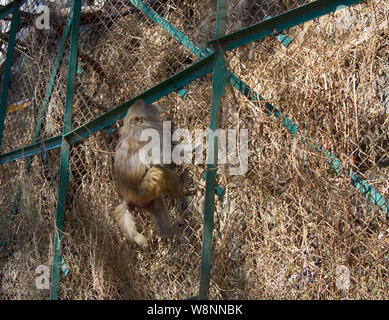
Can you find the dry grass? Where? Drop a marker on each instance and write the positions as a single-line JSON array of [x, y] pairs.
[[283, 228]]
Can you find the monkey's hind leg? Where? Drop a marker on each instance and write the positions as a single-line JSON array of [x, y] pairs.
[[159, 180], [126, 222], [161, 217]]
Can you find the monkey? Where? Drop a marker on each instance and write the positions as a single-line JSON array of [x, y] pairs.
[[140, 184]]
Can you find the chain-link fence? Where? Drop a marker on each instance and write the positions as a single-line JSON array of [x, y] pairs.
[[291, 227]]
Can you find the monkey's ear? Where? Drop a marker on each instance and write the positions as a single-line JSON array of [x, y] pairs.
[[139, 103]]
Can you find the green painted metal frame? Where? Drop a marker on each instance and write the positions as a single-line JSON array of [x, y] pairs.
[[198, 68], [14, 8], [8, 65], [219, 83], [53, 75], [176, 33], [7, 9], [314, 9], [32, 149], [281, 22], [171, 84], [367, 191], [210, 60], [43, 108], [65, 151]]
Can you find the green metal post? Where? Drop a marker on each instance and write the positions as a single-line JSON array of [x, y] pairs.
[[64, 164], [219, 84], [8, 65]]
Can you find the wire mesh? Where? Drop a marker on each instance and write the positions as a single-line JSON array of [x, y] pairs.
[[34, 58], [28, 200], [107, 265], [289, 228], [143, 55], [304, 225]]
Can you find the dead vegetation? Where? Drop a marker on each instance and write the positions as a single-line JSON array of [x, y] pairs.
[[283, 230]]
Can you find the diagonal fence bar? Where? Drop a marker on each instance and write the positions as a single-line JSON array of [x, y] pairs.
[[7, 9], [281, 22], [362, 186], [162, 89], [32, 149], [176, 33]]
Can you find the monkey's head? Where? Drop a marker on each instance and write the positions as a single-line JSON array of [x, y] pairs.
[[142, 114]]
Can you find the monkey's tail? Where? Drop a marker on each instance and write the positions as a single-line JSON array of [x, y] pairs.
[[126, 222]]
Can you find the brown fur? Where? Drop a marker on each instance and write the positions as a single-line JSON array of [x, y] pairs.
[[139, 184]]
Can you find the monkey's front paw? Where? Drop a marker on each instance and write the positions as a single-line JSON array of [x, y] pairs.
[[141, 241], [184, 175], [182, 180], [178, 227]]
